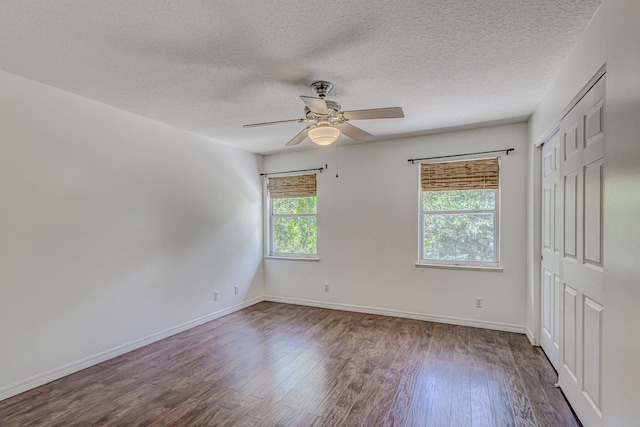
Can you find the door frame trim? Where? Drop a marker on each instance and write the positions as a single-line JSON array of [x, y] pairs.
[[555, 125]]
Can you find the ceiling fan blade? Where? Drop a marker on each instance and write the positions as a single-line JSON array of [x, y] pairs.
[[353, 132], [274, 123], [376, 113], [317, 105], [299, 137]]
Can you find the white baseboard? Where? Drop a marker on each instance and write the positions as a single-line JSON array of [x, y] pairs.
[[532, 337], [70, 368], [498, 326]]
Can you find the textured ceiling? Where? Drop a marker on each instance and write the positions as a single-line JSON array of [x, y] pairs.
[[210, 66]]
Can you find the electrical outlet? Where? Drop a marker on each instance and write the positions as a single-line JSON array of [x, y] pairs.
[[478, 302], [326, 287], [216, 295], [236, 289]]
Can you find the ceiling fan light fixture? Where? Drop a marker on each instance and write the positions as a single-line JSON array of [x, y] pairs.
[[328, 120], [324, 134]]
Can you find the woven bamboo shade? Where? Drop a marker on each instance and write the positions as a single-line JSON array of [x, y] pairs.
[[483, 174], [281, 187]]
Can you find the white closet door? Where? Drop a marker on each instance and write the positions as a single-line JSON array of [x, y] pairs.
[[551, 286], [582, 153]]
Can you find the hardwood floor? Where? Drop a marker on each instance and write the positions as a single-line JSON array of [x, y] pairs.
[[276, 364]]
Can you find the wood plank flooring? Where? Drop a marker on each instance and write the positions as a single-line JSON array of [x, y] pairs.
[[284, 365]]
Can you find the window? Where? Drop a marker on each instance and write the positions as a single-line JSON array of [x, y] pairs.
[[293, 216], [459, 212]]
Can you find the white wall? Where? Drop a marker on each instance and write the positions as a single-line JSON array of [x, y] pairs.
[[614, 37], [368, 234], [113, 229]]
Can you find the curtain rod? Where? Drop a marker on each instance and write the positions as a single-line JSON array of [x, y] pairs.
[[300, 170], [506, 150]]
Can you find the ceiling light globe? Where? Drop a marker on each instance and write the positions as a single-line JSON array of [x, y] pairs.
[[324, 134]]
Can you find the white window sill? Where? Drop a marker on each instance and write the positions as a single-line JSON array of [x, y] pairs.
[[292, 258], [459, 267]]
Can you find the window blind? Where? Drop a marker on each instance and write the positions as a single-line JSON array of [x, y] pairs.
[[482, 174], [281, 187]]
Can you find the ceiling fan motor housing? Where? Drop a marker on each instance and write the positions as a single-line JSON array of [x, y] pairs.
[[332, 106]]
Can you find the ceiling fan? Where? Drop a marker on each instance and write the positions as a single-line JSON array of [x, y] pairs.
[[327, 121]]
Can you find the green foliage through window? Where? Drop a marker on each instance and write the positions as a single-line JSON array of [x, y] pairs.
[[294, 226], [459, 225], [294, 206], [458, 200]]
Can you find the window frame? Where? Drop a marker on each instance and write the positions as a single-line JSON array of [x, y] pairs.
[[480, 265], [270, 227]]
